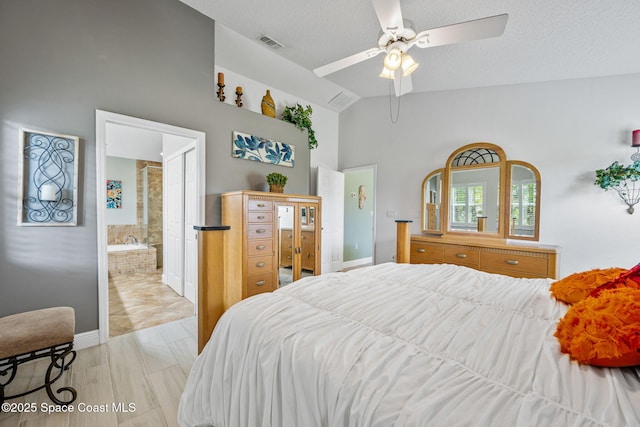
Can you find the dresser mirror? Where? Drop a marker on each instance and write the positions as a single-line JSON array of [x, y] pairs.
[[480, 193], [524, 201]]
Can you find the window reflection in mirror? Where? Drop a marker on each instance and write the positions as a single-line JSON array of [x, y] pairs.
[[523, 201], [474, 193]]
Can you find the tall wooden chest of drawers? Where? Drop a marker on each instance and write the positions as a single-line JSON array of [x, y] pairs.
[[259, 248]]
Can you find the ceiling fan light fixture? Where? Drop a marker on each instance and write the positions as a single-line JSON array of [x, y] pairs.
[[408, 64], [393, 60], [387, 73]]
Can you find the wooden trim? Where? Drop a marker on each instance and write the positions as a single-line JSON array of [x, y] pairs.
[[403, 243], [210, 283]]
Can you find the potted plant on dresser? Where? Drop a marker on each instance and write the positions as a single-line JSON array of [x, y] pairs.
[[276, 182]]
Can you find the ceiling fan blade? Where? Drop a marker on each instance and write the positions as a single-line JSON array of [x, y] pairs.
[[389, 15], [482, 28], [402, 84], [347, 62]]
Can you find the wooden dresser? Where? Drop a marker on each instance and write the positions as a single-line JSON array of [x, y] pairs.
[[490, 255], [259, 248]]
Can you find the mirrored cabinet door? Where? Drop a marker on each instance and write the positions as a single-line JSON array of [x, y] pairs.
[[297, 241], [308, 241], [286, 252]]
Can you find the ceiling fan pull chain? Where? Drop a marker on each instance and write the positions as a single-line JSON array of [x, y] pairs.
[[394, 120]]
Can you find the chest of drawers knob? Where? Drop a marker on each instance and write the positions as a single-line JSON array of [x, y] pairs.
[[461, 255], [512, 261]]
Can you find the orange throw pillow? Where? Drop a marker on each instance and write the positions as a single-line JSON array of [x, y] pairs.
[[603, 330], [578, 286]]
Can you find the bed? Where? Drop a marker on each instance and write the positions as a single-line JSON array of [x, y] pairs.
[[401, 345]]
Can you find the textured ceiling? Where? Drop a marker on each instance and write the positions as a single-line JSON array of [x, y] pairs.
[[544, 39]]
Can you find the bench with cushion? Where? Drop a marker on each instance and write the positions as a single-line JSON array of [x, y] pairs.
[[34, 335]]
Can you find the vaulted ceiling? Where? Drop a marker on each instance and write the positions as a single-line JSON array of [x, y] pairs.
[[544, 39]]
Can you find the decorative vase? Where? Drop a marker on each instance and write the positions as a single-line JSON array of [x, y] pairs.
[[275, 188], [268, 106]]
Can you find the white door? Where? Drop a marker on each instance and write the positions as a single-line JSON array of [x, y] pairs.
[[190, 220], [330, 187], [175, 220]]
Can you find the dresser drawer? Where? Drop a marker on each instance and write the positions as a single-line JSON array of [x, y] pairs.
[[260, 216], [260, 264], [258, 283], [425, 253], [527, 265], [260, 247], [260, 231], [260, 205], [462, 255]]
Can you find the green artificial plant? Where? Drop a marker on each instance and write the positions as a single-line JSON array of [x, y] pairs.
[[275, 178], [616, 175], [623, 179], [301, 117]]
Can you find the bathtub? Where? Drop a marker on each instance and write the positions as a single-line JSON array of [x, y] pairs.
[[120, 248], [128, 259]]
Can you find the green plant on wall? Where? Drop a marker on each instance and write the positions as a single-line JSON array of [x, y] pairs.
[[301, 117], [617, 175], [623, 179]]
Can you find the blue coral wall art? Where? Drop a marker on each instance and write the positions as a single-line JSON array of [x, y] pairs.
[[250, 147], [114, 194]]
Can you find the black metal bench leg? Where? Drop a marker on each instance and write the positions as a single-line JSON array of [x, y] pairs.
[[59, 362]]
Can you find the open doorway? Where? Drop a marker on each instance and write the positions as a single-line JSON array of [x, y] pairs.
[[166, 208], [359, 216]]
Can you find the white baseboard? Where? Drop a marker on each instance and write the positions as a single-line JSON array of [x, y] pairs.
[[357, 262], [86, 339]]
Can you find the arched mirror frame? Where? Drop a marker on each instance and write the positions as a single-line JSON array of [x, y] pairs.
[[440, 206]]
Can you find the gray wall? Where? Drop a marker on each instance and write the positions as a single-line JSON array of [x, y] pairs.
[[62, 60]]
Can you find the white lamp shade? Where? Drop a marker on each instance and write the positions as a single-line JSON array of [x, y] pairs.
[[408, 64], [387, 73], [393, 60]]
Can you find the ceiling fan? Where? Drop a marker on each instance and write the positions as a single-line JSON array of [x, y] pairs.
[[399, 35]]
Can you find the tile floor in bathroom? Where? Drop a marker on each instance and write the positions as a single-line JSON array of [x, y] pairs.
[[140, 300]]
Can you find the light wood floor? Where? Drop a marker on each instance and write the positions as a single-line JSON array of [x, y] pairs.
[[146, 368]]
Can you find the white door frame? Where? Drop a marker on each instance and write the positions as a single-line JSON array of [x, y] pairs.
[[102, 118]]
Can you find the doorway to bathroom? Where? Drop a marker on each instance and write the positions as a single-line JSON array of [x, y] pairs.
[[146, 243]]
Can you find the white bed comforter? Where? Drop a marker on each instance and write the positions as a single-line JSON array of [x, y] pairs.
[[401, 345]]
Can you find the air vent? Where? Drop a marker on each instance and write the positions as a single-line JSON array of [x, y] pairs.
[[342, 100], [267, 40]]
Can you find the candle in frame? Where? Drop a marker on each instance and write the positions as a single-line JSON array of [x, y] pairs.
[[239, 90], [221, 78], [48, 193]]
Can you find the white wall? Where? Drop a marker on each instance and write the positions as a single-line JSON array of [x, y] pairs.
[[567, 129], [124, 170]]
